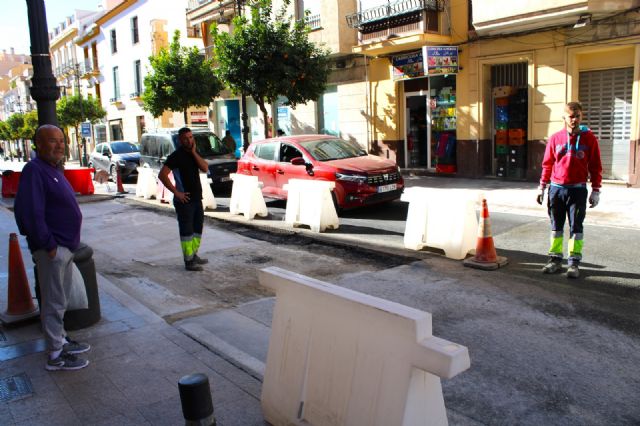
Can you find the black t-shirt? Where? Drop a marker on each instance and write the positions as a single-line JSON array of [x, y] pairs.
[[185, 172]]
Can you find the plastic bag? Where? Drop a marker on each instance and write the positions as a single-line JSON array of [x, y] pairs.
[[76, 292]]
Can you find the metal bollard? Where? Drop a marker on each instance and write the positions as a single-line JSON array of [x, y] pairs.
[[195, 397]]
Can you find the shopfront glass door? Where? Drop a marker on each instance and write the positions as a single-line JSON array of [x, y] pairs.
[[417, 137]]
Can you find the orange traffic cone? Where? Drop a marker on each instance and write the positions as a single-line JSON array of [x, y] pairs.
[[485, 257], [19, 301], [120, 188]]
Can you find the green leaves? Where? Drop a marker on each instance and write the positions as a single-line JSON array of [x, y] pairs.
[[270, 56], [73, 110], [181, 77]]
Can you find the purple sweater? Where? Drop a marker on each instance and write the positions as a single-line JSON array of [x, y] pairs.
[[46, 209]]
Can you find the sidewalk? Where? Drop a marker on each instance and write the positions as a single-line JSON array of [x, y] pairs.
[[135, 363]]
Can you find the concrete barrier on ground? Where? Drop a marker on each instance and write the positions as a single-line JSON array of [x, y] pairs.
[[146, 185], [441, 219], [309, 202], [246, 196], [340, 357], [208, 200]]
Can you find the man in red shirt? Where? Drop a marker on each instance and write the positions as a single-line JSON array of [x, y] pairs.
[[572, 155]]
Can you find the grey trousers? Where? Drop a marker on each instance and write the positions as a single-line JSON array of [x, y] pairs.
[[54, 275]]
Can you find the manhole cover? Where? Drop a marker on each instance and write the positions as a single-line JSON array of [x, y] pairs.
[[15, 387]]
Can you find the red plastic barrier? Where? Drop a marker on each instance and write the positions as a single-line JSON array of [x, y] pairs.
[[10, 183], [80, 180]]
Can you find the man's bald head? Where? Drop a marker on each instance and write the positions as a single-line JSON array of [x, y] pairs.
[[50, 143]]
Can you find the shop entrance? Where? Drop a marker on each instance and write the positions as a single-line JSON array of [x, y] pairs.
[[417, 130]]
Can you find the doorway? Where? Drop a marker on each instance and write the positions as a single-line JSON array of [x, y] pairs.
[[417, 140]]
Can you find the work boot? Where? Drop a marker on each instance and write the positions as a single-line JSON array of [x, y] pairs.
[[553, 265], [191, 265], [200, 260], [573, 271]]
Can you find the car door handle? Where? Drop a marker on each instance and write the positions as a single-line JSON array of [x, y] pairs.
[[256, 168], [280, 172]]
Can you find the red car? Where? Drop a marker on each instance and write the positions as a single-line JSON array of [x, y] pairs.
[[361, 179]]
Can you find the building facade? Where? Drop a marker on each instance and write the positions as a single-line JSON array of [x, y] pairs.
[[116, 50]]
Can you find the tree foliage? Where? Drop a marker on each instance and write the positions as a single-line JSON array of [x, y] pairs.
[[73, 110], [270, 55], [181, 77]]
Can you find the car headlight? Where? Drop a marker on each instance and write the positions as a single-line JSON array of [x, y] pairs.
[[122, 163], [351, 178]]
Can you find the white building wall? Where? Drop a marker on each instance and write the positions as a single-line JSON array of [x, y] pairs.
[[173, 13]]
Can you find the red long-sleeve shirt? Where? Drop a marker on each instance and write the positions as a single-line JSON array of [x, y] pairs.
[[573, 162]]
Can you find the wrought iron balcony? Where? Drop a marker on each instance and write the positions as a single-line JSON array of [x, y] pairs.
[[313, 21], [392, 10]]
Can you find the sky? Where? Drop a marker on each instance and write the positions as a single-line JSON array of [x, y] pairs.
[[14, 25]]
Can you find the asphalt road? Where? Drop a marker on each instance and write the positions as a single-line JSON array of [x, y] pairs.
[[544, 349]]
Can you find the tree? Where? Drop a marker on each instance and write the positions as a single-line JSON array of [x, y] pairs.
[[270, 56], [181, 77], [73, 110]]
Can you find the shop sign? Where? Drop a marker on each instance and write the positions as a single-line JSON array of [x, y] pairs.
[[199, 117], [409, 65], [441, 59]]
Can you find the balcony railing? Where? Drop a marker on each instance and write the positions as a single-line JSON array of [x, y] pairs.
[[313, 21], [194, 4], [392, 10]]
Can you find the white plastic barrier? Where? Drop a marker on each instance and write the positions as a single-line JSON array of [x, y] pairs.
[[146, 185], [309, 202], [340, 357], [441, 218], [246, 196], [208, 200], [162, 193]]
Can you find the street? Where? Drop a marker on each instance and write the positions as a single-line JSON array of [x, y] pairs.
[[544, 350]]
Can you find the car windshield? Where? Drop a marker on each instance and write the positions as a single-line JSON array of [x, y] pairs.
[[333, 149], [209, 144], [124, 147]]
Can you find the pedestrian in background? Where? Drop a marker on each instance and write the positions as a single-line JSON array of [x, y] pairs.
[[186, 165], [47, 212], [572, 155], [229, 142]]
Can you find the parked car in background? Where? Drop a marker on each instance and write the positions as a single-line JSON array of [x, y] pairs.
[[156, 146], [361, 179], [114, 156]]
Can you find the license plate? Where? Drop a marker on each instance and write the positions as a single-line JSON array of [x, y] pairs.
[[387, 188], [225, 179]]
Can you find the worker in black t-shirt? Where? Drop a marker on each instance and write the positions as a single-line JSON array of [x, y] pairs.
[[186, 165]]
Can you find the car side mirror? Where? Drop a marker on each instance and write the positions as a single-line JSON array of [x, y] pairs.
[[298, 161]]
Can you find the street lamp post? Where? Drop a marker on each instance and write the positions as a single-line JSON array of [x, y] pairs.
[[44, 89], [76, 70]]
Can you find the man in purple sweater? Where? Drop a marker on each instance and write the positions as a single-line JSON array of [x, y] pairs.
[[48, 214]]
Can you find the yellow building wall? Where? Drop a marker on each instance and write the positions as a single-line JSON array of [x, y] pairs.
[[384, 101]]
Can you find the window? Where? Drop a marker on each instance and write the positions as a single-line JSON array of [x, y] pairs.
[[137, 78], [134, 30], [266, 151], [288, 153], [114, 42], [116, 84]]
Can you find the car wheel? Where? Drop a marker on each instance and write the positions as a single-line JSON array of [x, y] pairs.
[[113, 172]]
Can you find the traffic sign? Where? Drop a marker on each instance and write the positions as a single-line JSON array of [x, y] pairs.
[[85, 129]]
